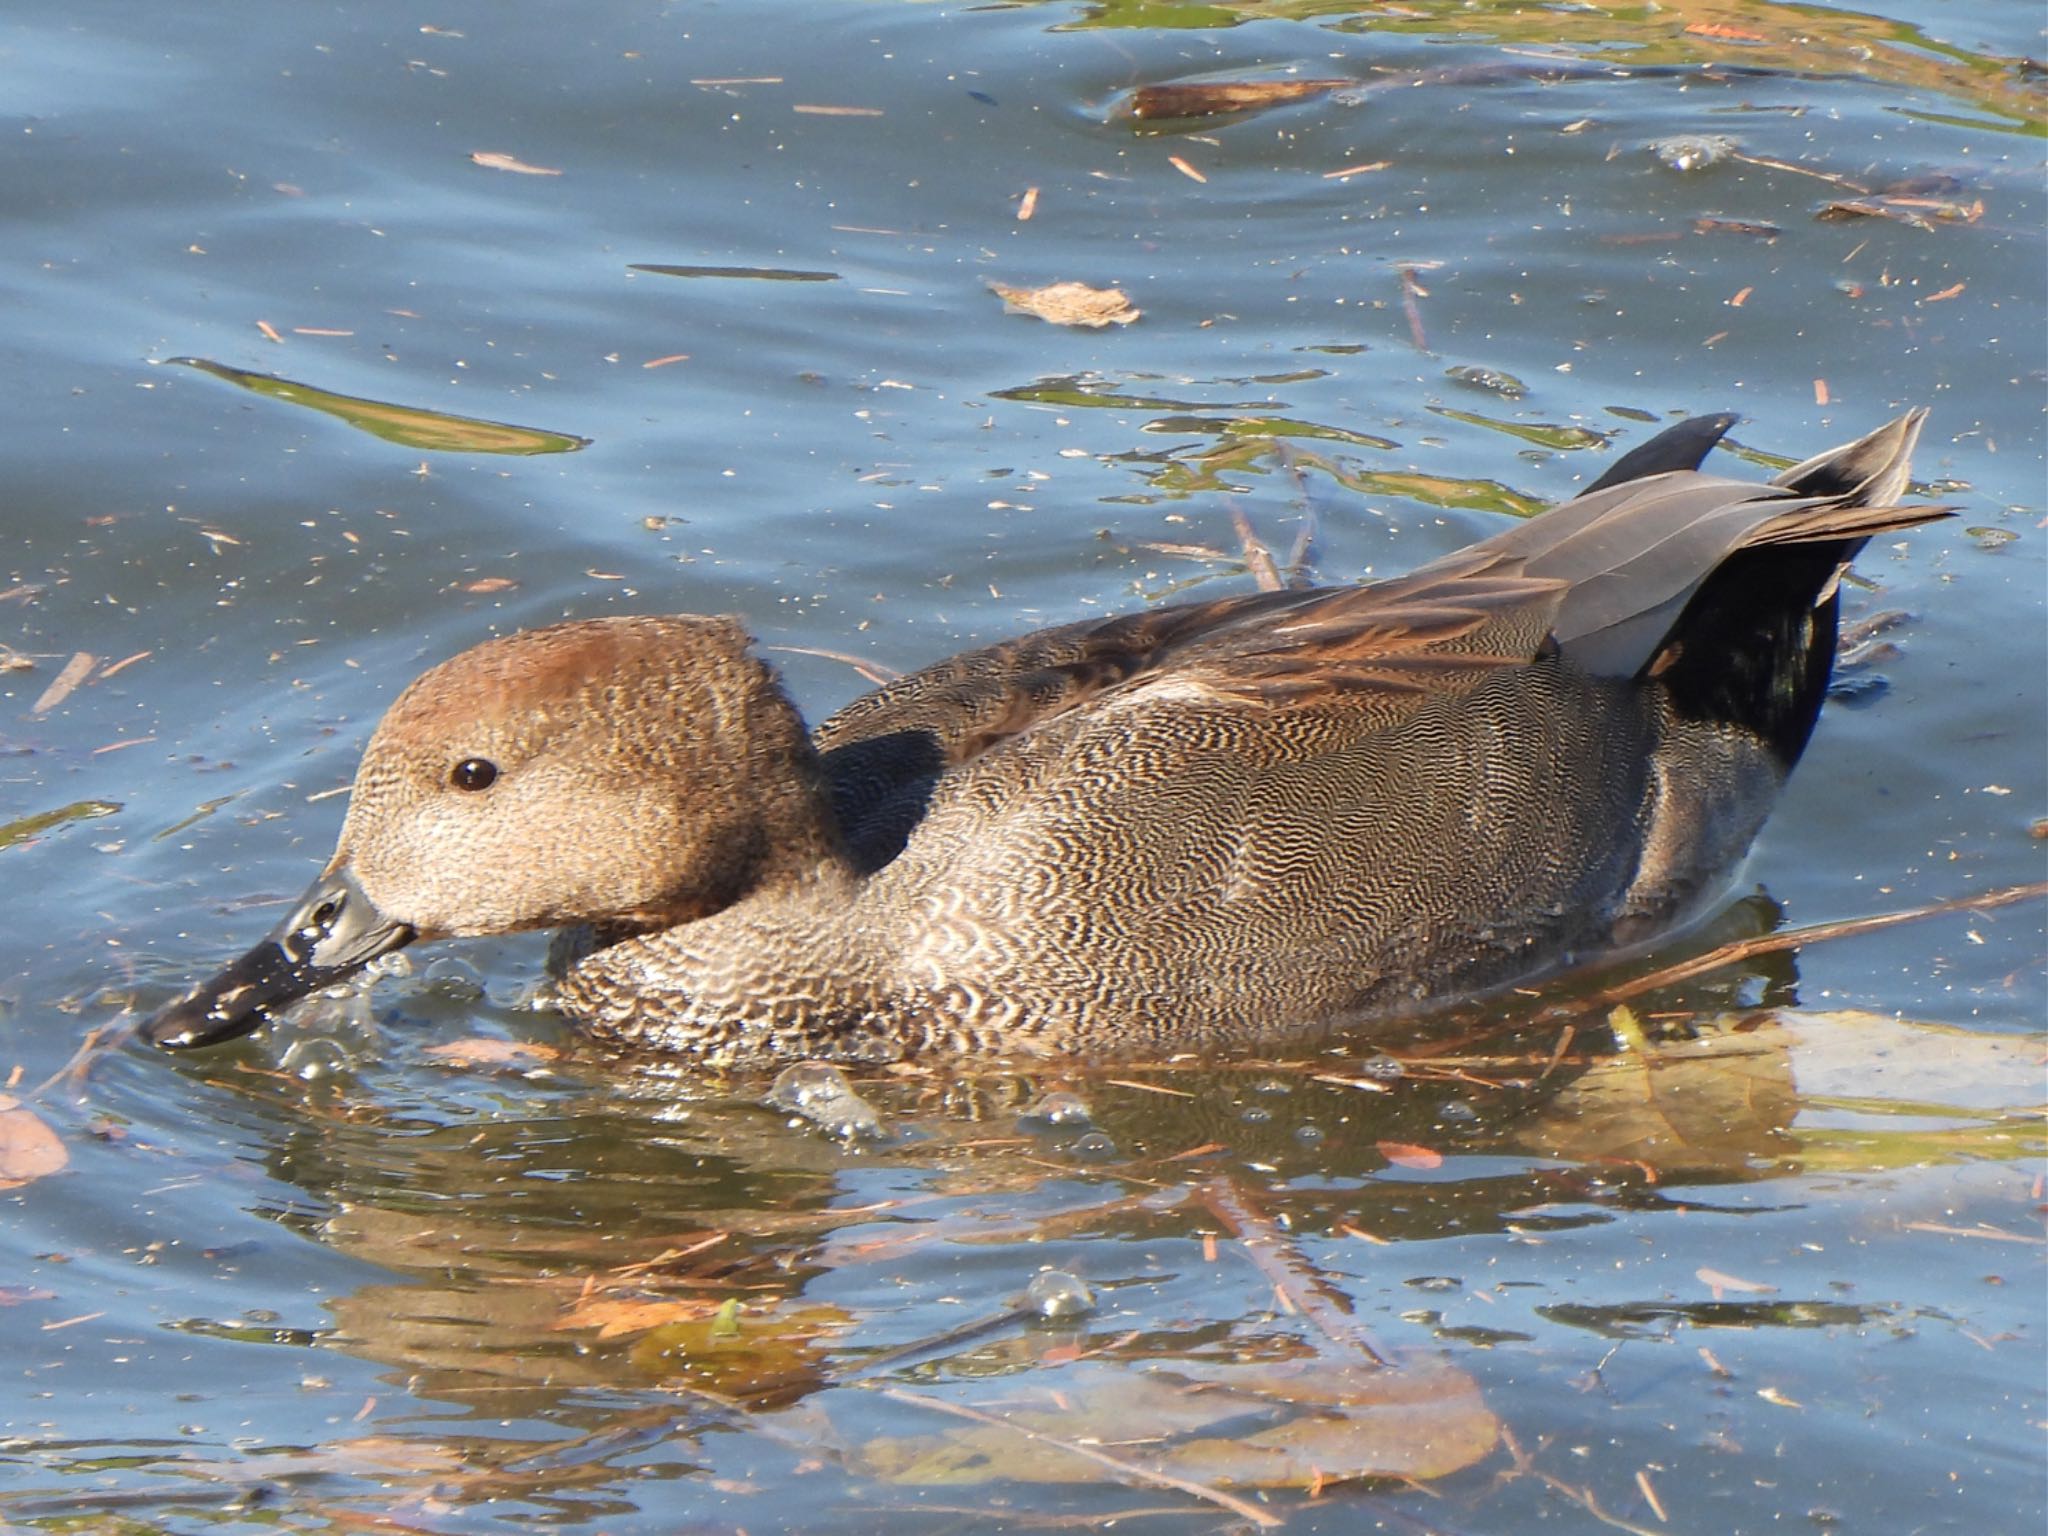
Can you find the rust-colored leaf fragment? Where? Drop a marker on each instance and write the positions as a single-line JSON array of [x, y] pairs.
[[29, 1149], [1070, 304], [483, 1051], [493, 160], [1210, 98], [1406, 1155]]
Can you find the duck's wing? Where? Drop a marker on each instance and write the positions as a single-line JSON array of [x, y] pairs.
[[1395, 640], [1633, 555]]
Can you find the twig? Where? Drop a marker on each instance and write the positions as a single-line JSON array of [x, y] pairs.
[[1130, 1471], [1327, 1308], [1411, 290], [1793, 938], [1257, 558], [873, 671]]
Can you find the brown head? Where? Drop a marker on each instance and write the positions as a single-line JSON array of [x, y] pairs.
[[629, 772]]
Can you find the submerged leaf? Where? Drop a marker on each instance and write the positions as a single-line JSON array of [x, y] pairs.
[[1291, 1424]]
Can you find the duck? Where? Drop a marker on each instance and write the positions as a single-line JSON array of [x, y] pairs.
[[1219, 822]]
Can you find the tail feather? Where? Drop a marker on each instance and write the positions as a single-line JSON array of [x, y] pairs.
[[1754, 645]]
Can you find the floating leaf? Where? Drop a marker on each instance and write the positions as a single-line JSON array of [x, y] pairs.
[[408, 426], [26, 828], [761, 274], [1070, 304], [1544, 434], [29, 1149]]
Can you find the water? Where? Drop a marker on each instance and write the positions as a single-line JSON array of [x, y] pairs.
[[1783, 1275]]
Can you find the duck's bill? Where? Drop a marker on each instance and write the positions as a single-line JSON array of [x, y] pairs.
[[333, 932]]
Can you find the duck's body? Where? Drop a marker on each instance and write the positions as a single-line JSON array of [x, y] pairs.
[[1206, 823]]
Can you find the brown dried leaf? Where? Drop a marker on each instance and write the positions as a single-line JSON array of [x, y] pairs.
[[1070, 304], [29, 1149]]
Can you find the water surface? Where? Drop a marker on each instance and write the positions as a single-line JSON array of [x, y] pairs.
[[1762, 1252]]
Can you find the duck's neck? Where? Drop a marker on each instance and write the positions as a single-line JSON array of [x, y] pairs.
[[771, 827]]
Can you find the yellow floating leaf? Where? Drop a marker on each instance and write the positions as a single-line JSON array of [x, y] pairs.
[[408, 426]]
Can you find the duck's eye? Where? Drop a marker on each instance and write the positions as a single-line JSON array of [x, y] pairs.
[[473, 773]]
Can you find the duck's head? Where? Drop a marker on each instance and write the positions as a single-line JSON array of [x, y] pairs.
[[628, 772]]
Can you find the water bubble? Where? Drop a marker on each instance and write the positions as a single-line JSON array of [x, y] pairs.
[[1053, 1293], [1055, 1110], [453, 978], [1092, 1147], [1382, 1068], [821, 1094], [311, 1059], [1692, 151]]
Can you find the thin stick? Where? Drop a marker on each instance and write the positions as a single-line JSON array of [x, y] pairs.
[[1291, 1276], [1793, 938], [1128, 1470]]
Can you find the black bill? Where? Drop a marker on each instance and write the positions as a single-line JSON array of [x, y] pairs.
[[331, 934]]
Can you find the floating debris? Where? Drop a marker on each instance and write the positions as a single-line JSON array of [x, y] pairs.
[[492, 160], [1070, 304], [1214, 98], [1493, 380], [1692, 151], [759, 274], [1713, 224]]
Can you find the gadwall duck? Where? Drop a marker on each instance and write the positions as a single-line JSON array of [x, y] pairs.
[[1199, 824]]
